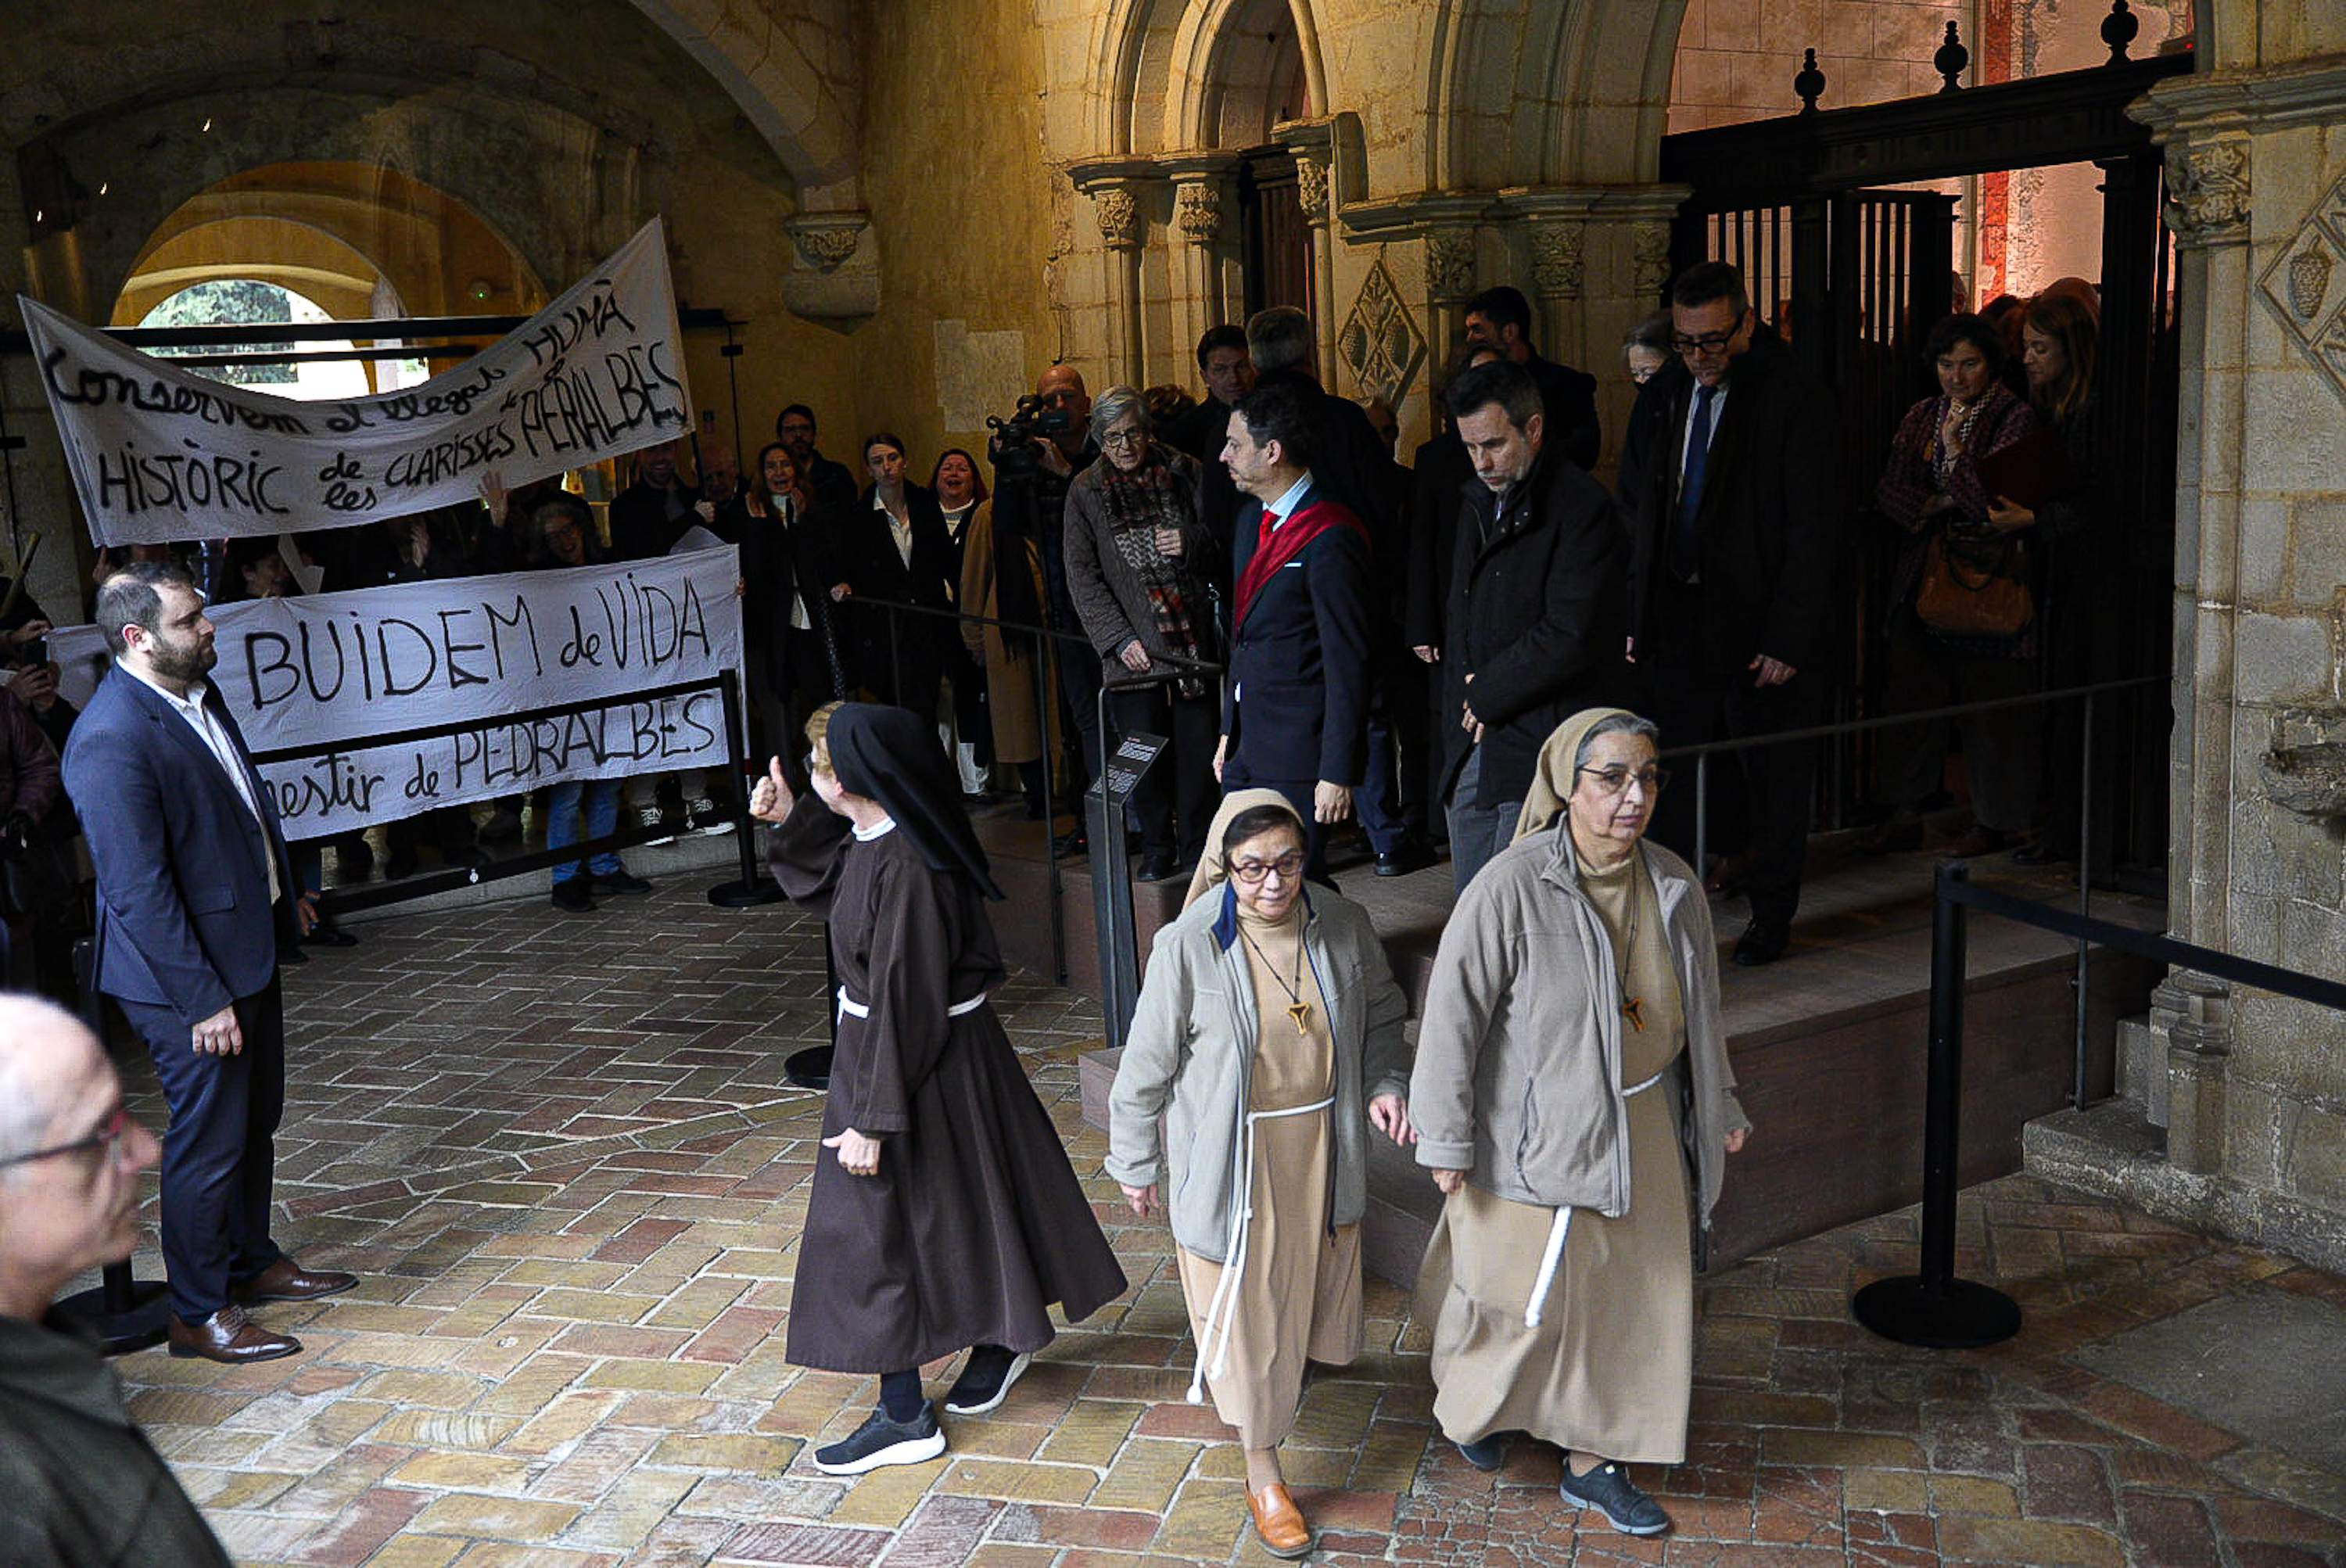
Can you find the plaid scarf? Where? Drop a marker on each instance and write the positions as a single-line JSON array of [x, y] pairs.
[[1136, 505]]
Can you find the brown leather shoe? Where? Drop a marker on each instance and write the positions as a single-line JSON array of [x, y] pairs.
[[229, 1336], [286, 1280], [1279, 1522]]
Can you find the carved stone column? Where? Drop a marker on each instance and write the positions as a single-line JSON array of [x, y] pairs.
[[1313, 192], [1117, 206], [1449, 284], [1557, 270], [1202, 293]]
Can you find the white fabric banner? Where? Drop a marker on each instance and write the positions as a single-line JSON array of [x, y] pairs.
[[464, 656], [160, 453]]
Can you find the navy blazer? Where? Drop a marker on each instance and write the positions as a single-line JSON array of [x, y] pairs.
[[184, 918], [1296, 705]]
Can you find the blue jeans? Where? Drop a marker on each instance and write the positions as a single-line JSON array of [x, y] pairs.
[[1477, 833], [600, 800]]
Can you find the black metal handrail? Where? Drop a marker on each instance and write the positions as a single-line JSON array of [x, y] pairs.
[[2087, 695], [1933, 1307]]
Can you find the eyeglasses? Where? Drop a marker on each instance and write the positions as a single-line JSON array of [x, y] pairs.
[[1615, 780], [107, 1140], [1125, 439], [1288, 866], [1709, 343]]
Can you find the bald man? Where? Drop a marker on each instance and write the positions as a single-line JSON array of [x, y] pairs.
[[82, 1484]]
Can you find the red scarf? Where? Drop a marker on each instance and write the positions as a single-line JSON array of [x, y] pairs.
[[1275, 548]]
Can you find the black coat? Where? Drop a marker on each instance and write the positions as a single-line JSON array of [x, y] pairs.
[[1296, 701], [1772, 521], [1350, 464], [876, 571], [641, 527], [1201, 433], [1437, 489], [831, 486], [779, 563], [1536, 616], [1569, 401]]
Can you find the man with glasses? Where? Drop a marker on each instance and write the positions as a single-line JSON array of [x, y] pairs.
[[83, 1485], [194, 891], [1729, 480], [1531, 632], [828, 481]]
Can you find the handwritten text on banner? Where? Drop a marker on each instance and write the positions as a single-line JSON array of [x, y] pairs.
[[160, 453]]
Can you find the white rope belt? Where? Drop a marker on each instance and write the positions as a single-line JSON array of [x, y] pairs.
[[1234, 1253], [1559, 1230], [851, 1008]]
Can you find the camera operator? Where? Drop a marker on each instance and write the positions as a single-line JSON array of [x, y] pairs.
[[1036, 456]]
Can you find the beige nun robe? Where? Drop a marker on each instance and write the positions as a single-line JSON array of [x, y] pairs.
[[1299, 1295], [1609, 1369]]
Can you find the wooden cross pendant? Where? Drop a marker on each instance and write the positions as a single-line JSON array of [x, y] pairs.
[[1301, 1012], [1633, 1008]]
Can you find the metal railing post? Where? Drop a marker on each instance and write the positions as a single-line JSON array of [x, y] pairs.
[[752, 890], [1935, 1308], [2085, 897], [1702, 818], [1046, 703]]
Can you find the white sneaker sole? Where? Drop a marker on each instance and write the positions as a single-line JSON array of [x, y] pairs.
[[1625, 1529], [1018, 1370], [917, 1450]]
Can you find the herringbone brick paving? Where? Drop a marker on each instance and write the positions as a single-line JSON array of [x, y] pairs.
[[561, 1155]]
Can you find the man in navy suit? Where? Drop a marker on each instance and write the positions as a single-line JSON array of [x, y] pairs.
[[194, 889], [1296, 704]]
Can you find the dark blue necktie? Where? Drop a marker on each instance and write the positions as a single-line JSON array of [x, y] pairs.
[[1685, 538]]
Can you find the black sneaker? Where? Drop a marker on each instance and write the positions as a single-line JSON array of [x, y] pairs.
[[705, 816], [574, 896], [1609, 1490], [1488, 1454], [621, 883], [985, 1383], [880, 1442]]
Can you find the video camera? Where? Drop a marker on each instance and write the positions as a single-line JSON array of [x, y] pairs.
[[1012, 447]]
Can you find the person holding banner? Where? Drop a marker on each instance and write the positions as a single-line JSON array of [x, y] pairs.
[[194, 886], [948, 1218], [562, 527]]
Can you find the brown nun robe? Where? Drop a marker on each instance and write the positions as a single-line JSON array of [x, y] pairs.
[[1609, 1370], [974, 1224]]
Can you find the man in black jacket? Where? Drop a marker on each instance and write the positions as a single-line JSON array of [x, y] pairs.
[[1295, 702], [1729, 481], [651, 515], [1532, 631], [1229, 375], [1501, 319], [830, 484]]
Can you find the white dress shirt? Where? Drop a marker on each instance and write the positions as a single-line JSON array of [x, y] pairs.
[[202, 721]]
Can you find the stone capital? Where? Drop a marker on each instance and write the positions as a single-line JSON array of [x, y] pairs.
[[826, 241], [1118, 212], [1650, 260], [1449, 264], [1311, 187], [2207, 197], [1197, 207], [1556, 259]]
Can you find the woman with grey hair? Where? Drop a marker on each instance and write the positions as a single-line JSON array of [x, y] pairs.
[[1571, 1068], [1138, 560], [1648, 347]]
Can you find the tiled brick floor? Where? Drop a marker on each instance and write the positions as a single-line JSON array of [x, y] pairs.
[[560, 1152]]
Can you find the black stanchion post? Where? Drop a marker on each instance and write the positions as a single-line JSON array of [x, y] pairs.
[[1046, 698], [2085, 896], [1702, 814], [752, 889], [125, 1313], [1935, 1308]]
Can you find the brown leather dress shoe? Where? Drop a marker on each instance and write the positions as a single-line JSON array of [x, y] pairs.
[[1279, 1522], [230, 1337], [286, 1280]]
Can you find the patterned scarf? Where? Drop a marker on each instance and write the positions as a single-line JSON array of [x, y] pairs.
[[1137, 505]]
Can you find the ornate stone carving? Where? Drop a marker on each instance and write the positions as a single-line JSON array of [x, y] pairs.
[[826, 241], [1380, 340], [1312, 188], [2208, 191], [1450, 263], [1119, 212], [1197, 211], [2305, 285], [1649, 261], [1556, 260]]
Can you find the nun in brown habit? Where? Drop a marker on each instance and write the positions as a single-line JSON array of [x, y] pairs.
[[1268, 1039], [950, 1220], [1572, 1098]]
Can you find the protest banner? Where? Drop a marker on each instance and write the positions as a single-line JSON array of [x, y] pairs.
[[160, 453], [444, 665]]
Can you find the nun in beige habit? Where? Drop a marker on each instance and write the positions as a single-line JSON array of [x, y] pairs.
[[1268, 1037], [1572, 1096]]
